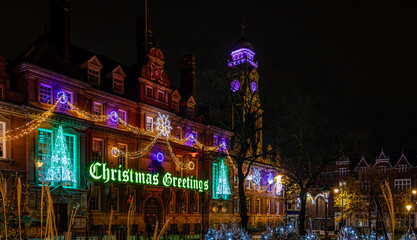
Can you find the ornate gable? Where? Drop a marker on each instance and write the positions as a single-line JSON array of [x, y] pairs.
[[402, 161], [154, 68]]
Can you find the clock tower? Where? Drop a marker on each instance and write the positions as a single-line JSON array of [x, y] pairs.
[[244, 77]]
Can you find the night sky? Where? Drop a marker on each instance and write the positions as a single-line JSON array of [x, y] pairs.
[[360, 57]]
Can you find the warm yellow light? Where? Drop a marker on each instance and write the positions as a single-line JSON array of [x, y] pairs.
[[336, 190], [408, 207], [414, 192]]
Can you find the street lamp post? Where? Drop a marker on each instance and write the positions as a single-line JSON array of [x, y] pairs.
[[326, 193], [409, 218]]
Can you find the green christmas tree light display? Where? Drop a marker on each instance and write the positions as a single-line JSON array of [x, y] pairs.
[[223, 187], [60, 168]]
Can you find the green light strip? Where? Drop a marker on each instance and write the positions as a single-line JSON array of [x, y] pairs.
[[100, 171]]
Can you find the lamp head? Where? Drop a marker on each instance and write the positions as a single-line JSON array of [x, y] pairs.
[[193, 152], [408, 207]]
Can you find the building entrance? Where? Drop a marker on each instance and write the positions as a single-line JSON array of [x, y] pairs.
[[153, 212], [61, 217]]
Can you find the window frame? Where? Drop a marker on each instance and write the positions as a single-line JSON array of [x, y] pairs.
[[179, 133], [123, 147], [3, 143], [121, 112], [92, 71], [268, 206], [101, 108], [93, 158], [116, 190], [98, 199], [149, 123], [163, 95], [70, 97], [402, 168], [51, 102], [151, 91], [258, 206], [120, 83]]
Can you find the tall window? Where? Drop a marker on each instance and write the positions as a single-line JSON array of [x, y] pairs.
[[98, 150], [121, 160], [258, 206], [70, 97], [186, 228], [95, 199], [268, 206], [161, 96], [179, 132], [149, 91], [184, 204], [403, 168], [122, 115], [149, 124], [70, 141], [3, 143], [277, 212], [98, 109], [236, 206], [401, 184], [196, 203], [248, 186], [215, 141], [45, 143], [342, 171], [215, 179], [197, 228], [45, 93], [172, 204], [93, 76], [248, 205], [118, 85], [114, 199]]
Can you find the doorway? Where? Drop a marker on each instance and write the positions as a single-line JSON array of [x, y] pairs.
[[61, 217], [152, 213]]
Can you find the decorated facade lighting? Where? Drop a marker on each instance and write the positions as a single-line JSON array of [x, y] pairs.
[[160, 157], [114, 117], [62, 97], [115, 152], [163, 125], [88, 116]]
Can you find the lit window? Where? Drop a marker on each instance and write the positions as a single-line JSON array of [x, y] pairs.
[[342, 171], [403, 168], [401, 184], [179, 132], [93, 76], [45, 142], [258, 206], [95, 199], [161, 96], [70, 141], [98, 150], [45, 93], [69, 96], [268, 206], [121, 160], [118, 85], [149, 124], [3, 143], [114, 199], [98, 109], [149, 91], [248, 182], [122, 114], [277, 208]]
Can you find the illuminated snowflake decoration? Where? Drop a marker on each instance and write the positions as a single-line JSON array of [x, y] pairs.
[[256, 177], [163, 125]]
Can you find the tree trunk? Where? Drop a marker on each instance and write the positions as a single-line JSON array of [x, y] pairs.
[[302, 214], [242, 199]]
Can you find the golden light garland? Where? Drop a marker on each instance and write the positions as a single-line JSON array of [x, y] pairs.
[[28, 127], [88, 116]]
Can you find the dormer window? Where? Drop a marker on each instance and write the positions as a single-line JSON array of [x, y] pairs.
[[403, 168], [175, 105], [118, 77], [118, 85], [94, 76]]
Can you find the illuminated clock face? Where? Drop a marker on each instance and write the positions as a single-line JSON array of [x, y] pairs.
[[234, 85], [253, 86]]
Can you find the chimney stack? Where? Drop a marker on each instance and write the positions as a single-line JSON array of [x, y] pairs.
[[187, 65], [60, 27]]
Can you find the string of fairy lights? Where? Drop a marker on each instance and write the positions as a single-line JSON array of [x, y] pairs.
[[163, 130]]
